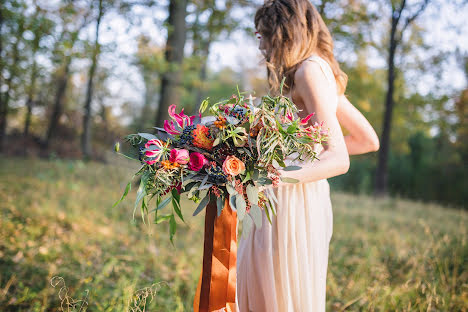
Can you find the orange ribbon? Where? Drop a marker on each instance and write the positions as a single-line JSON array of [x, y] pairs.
[[216, 289]]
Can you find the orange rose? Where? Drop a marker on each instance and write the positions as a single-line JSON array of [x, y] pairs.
[[233, 166]]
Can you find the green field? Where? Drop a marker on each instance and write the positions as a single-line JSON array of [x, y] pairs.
[[57, 220]]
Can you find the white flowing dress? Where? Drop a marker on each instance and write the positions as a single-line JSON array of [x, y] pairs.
[[282, 267]]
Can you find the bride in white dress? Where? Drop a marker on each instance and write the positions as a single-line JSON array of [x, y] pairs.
[[282, 267]]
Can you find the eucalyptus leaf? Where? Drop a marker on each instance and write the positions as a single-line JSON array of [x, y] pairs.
[[231, 190], [219, 204], [232, 202], [172, 227], [289, 180], [252, 194], [267, 212], [256, 214], [140, 194], [148, 136], [202, 204], [240, 205], [125, 193], [232, 120], [256, 174], [247, 225], [163, 218], [206, 186], [264, 181], [163, 204], [292, 168], [203, 181], [190, 185], [176, 204]]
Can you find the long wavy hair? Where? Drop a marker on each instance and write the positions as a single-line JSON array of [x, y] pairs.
[[294, 30]]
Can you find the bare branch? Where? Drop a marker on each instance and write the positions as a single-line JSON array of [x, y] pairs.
[[412, 18]]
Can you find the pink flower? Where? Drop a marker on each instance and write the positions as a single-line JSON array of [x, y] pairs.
[[157, 148], [197, 161], [304, 121], [180, 156], [181, 121], [233, 166]]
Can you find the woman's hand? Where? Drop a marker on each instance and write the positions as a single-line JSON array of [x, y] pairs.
[[362, 137]]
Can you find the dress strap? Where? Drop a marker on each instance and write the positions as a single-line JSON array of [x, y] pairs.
[[326, 69]]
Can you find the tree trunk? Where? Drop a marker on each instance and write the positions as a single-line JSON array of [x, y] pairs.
[[381, 179], [174, 55], [86, 135], [31, 90], [9, 82], [62, 83]]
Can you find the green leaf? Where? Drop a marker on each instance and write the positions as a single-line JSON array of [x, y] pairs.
[[140, 194], [163, 218], [230, 189], [219, 204], [202, 204], [252, 194], [162, 204], [232, 201], [256, 214], [176, 203], [292, 168], [281, 163], [148, 136], [189, 186], [264, 181], [289, 180], [247, 225], [125, 193], [172, 227], [240, 205], [267, 212], [247, 177], [255, 175], [204, 187], [291, 129]]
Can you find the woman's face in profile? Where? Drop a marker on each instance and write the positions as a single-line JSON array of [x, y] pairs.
[[262, 46]]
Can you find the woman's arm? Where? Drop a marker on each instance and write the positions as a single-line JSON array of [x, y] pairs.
[[362, 137], [313, 90]]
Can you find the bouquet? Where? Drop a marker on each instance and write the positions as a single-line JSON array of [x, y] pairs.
[[232, 153]]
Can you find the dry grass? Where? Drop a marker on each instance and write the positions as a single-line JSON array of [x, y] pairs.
[[57, 220]]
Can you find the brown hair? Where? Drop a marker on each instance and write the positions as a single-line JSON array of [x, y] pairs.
[[293, 31]]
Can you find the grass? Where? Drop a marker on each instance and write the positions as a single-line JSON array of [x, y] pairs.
[[57, 220]]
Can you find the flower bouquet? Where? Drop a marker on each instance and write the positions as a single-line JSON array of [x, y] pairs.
[[224, 161], [230, 154]]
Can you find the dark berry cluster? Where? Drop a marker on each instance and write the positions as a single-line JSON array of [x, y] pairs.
[[187, 135], [222, 151], [216, 174], [238, 112]]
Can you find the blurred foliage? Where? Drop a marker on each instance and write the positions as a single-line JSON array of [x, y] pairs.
[[46, 50], [385, 255]]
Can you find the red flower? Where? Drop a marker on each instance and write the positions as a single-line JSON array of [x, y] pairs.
[[197, 161], [181, 121], [202, 137]]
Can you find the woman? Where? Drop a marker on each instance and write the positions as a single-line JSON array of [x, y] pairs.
[[283, 266]]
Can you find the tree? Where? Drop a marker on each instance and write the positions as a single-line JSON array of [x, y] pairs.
[[15, 21], [398, 27], [174, 54], [40, 26], [64, 54], [86, 135]]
